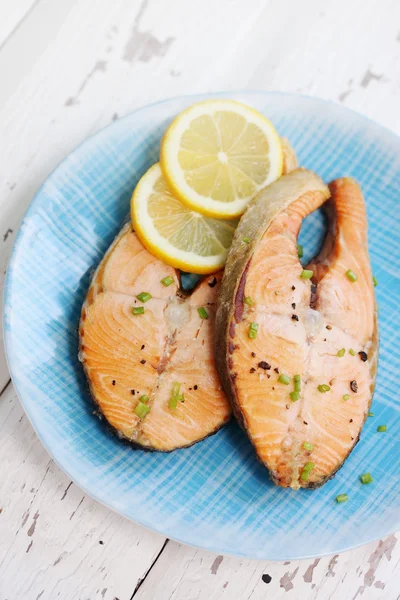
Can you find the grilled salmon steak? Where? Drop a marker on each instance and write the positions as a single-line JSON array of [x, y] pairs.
[[296, 348], [147, 349]]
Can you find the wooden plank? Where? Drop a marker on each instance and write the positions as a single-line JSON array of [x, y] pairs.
[[183, 573], [55, 541], [12, 15]]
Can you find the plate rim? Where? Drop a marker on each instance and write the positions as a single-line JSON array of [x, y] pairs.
[[11, 358]]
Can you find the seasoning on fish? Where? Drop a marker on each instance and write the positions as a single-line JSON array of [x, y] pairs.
[[162, 344], [337, 304]]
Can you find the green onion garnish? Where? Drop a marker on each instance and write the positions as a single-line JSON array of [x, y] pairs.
[[366, 478], [284, 379], [297, 383], [341, 352], [246, 240], [141, 410], [202, 312], [308, 446], [176, 396], [374, 279], [323, 388], [144, 297], [351, 275], [308, 467], [167, 280], [352, 352], [144, 398], [382, 428], [346, 397], [342, 498], [138, 310], [300, 251], [294, 396], [249, 301], [370, 414], [306, 274], [253, 330]]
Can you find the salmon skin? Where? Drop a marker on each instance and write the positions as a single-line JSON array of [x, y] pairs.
[[127, 357], [297, 356]]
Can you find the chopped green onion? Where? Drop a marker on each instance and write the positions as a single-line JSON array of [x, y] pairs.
[[297, 383], [246, 240], [144, 297], [351, 275], [173, 402], [352, 352], [294, 396], [138, 310], [374, 279], [284, 379], [366, 478], [308, 446], [323, 388], [141, 410], [346, 397], [144, 398], [202, 312], [342, 498], [167, 280], [176, 396], [306, 274], [341, 352], [253, 330], [249, 301], [382, 428], [370, 414], [308, 467], [300, 251]]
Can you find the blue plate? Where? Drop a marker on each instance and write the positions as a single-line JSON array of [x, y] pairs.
[[214, 495]]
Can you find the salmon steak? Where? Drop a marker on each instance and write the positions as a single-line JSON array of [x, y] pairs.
[[147, 349], [297, 347]]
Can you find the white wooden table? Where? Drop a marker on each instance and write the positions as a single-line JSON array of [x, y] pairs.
[[68, 68]]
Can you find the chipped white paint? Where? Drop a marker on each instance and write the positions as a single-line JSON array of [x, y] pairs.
[[67, 68]]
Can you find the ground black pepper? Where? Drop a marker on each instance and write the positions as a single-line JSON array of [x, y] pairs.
[[293, 305], [354, 386], [143, 362], [295, 318], [213, 282], [363, 356], [264, 365]]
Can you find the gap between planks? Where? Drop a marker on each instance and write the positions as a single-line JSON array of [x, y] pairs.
[[143, 579]]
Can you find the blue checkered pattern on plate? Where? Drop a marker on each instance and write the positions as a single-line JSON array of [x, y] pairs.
[[214, 495]]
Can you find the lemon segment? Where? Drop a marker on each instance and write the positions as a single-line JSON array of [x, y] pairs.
[[216, 155], [174, 233]]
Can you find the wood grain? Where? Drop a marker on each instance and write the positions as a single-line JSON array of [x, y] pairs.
[[67, 69]]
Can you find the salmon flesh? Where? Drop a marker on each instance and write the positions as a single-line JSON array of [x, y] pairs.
[[297, 356], [128, 356]]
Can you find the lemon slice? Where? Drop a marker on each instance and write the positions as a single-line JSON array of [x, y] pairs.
[[216, 155], [175, 234]]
